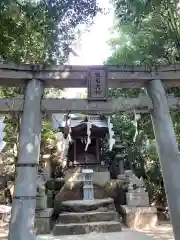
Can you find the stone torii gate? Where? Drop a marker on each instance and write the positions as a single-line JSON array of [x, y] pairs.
[[97, 79]]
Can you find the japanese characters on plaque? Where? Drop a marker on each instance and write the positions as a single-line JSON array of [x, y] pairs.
[[97, 84]]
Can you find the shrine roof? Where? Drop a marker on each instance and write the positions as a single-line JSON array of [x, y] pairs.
[[77, 121], [95, 120]]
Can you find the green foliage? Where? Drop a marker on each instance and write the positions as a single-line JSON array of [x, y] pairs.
[[154, 180], [47, 136], [12, 120], [141, 152], [40, 31], [147, 32]]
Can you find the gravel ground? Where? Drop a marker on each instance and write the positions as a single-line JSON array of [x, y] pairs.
[[161, 232]]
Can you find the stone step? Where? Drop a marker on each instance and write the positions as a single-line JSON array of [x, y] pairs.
[[99, 205], [84, 228], [88, 217]]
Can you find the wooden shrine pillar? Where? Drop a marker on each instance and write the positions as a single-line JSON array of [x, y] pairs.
[[24, 202], [167, 149]]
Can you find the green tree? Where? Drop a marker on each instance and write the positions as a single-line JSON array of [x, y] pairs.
[[41, 31], [146, 32]]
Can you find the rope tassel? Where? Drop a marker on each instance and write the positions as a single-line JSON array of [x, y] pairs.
[[89, 126], [111, 134]]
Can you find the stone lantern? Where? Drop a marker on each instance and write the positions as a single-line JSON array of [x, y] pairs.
[[120, 157], [41, 197]]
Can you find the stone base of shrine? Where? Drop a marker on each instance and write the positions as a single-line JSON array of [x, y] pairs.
[[139, 217], [87, 216], [100, 174], [43, 221]]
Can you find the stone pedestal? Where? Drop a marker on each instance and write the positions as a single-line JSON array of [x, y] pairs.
[[43, 214], [137, 198], [41, 202], [73, 187], [121, 177], [43, 221], [50, 199], [139, 217]]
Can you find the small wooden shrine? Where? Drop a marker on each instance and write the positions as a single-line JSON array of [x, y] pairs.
[[85, 150]]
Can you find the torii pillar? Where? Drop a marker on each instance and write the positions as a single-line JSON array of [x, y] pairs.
[[24, 202], [167, 149]]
